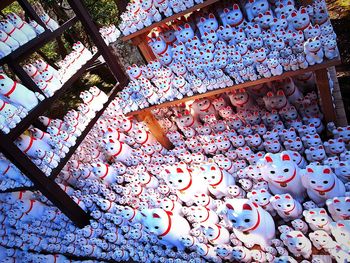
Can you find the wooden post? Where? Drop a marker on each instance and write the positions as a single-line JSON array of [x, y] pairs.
[[44, 184], [322, 82], [338, 100], [27, 7], [155, 128], [145, 49], [111, 60]]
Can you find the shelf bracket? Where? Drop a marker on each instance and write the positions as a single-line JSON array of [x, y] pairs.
[[322, 82], [111, 60]]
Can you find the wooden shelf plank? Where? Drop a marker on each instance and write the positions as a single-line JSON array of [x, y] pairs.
[[18, 189], [72, 149], [112, 61], [44, 105], [326, 64], [169, 19], [36, 43]]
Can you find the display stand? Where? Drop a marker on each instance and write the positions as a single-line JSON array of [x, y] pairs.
[[139, 39], [46, 185], [322, 82]]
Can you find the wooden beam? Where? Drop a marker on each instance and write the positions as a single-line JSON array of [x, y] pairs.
[[154, 127], [323, 86], [111, 60], [144, 48], [28, 48], [326, 64], [45, 185], [148, 29], [27, 7], [338, 100]]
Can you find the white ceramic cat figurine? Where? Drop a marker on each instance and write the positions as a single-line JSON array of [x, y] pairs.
[[251, 224], [282, 174], [167, 226], [17, 93]]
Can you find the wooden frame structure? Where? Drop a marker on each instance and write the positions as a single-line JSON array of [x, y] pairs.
[[46, 184], [139, 39]]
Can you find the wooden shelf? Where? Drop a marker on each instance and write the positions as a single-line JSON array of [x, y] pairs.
[[326, 64], [169, 19], [18, 189], [36, 43], [72, 149], [45, 184], [44, 105]]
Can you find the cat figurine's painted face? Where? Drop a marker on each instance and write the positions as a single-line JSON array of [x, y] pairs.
[[156, 221], [279, 170], [300, 19], [211, 173], [260, 196], [335, 146], [317, 217], [240, 252], [233, 17], [185, 33], [186, 120], [178, 177], [259, 6], [320, 180], [187, 241], [211, 231], [297, 240], [341, 232], [243, 216], [209, 23], [312, 140], [285, 9], [223, 250], [339, 207], [283, 202], [202, 199], [317, 154], [276, 101]]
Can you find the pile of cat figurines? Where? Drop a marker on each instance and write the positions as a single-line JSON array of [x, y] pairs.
[[143, 13], [47, 148], [198, 54], [15, 32], [252, 178], [48, 79], [16, 100], [11, 176]]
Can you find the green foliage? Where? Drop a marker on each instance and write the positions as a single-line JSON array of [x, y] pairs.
[[50, 50], [14, 7], [104, 12], [92, 79]]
